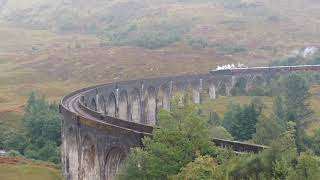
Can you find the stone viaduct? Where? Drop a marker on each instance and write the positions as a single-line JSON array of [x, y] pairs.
[[101, 124]]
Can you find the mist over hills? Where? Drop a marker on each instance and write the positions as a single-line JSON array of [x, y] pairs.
[[151, 34], [255, 29]]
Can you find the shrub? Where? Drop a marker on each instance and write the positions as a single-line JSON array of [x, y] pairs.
[[13, 153], [150, 37]]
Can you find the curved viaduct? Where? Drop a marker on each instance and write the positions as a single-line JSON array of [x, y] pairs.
[[101, 124]]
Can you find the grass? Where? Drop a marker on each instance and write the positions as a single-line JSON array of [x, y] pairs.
[[248, 27], [10, 120], [27, 169], [16, 172], [15, 39], [18, 80], [315, 104], [14, 97], [220, 104]]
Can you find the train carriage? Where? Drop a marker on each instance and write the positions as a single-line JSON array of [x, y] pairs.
[[270, 70]]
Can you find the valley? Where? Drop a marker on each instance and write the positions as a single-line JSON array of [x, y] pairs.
[[55, 47]]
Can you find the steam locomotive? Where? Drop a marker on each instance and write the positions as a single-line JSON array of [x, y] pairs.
[[267, 70]]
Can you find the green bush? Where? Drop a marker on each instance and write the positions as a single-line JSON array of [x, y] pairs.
[[241, 121], [239, 88], [40, 136], [183, 135], [203, 167], [200, 43], [15, 141], [214, 119], [150, 37], [13, 153]]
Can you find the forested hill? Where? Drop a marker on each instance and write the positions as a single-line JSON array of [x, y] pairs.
[[255, 27]]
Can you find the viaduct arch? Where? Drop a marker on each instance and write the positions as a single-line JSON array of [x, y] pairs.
[[101, 124]]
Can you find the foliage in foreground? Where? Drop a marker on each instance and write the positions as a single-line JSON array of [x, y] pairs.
[[203, 167], [40, 135], [241, 121], [182, 138]]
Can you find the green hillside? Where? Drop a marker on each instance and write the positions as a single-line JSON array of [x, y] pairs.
[[16, 169], [259, 28]]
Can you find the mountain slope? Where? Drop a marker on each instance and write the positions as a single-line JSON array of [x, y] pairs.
[[255, 29], [12, 168]]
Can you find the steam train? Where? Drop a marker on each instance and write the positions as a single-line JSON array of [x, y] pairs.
[[266, 70]]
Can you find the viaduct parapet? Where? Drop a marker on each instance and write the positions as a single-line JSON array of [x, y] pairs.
[[101, 124]]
